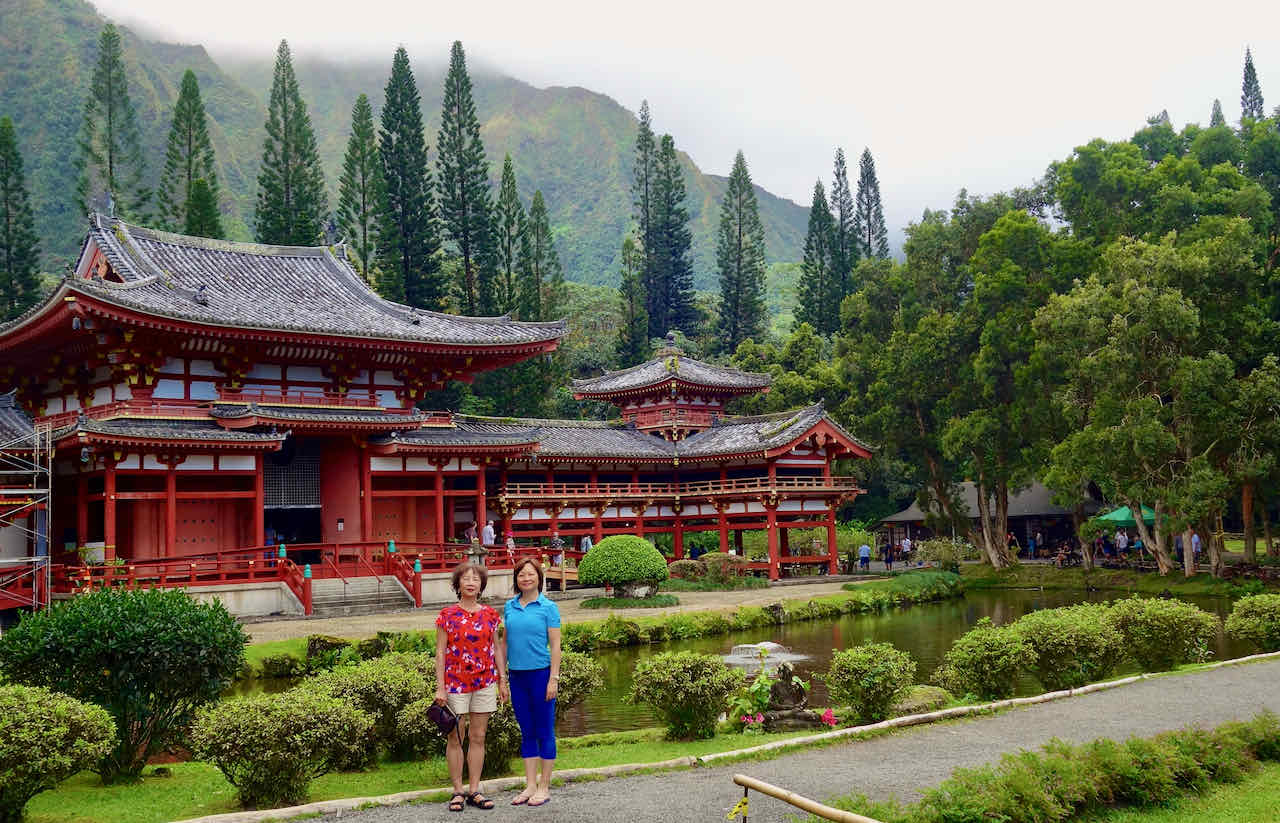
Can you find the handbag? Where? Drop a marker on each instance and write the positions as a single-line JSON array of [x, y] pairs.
[[445, 720]]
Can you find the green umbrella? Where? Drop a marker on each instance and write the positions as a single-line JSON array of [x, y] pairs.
[[1123, 516]]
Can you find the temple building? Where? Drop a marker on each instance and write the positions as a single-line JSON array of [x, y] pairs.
[[206, 400]]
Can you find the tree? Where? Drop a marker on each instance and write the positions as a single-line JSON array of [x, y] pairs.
[[464, 187], [509, 233], [188, 156], [643, 183], [19, 248], [201, 211], [408, 233], [672, 306], [543, 290], [1215, 118], [1251, 106], [844, 247], [110, 158], [740, 255], [360, 188], [292, 205], [633, 330], [816, 290], [873, 237]]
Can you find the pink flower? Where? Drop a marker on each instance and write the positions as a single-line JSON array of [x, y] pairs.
[[829, 718], [759, 718], [746, 719]]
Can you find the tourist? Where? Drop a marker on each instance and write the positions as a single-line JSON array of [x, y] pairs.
[[511, 546], [1032, 542], [471, 674], [488, 537], [1122, 542], [864, 557], [1195, 546], [906, 551], [472, 533], [1039, 541], [533, 659], [557, 549], [585, 544], [888, 557]]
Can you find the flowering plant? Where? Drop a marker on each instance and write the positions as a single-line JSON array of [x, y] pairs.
[[752, 724], [829, 718]]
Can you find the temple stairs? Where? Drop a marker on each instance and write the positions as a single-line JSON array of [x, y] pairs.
[[358, 595]]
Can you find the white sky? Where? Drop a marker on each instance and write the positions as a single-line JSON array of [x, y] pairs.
[[966, 93]]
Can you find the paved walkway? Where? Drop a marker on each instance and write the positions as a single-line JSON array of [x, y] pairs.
[[899, 764]]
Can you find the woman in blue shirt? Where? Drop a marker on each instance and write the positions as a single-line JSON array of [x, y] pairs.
[[533, 660]]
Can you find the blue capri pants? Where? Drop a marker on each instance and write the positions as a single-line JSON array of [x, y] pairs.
[[535, 714]]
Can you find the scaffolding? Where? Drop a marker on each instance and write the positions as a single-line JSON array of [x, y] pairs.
[[26, 499]]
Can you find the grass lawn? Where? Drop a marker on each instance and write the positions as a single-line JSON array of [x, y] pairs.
[[658, 601], [255, 652], [978, 576], [1256, 799]]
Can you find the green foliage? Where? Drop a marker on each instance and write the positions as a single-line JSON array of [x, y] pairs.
[[380, 688], [869, 678], [188, 158], [45, 737], [150, 658], [740, 256], [1162, 634], [360, 194], [868, 222], [688, 690], [620, 559], [1256, 620], [985, 661], [110, 159], [19, 248], [657, 601], [687, 569], [270, 746], [817, 289], [282, 665], [292, 205], [509, 237], [1070, 646], [921, 699], [202, 218], [580, 677], [633, 326], [1251, 105], [723, 568], [945, 554], [668, 280]]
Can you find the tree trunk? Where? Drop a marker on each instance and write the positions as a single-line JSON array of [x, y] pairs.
[[1002, 522], [1154, 541], [1086, 546], [1246, 514], [1272, 550], [993, 544], [1188, 553], [1211, 542]]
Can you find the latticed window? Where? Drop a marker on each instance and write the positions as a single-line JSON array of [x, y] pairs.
[[292, 485]]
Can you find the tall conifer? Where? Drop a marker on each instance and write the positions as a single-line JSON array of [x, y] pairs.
[[200, 212], [816, 289], [110, 159], [408, 228], [360, 187], [292, 204], [1216, 118], [740, 256], [464, 187], [543, 294], [19, 248], [844, 249], [509, 233], [643, 182], [873, 236], [1251, 105], [188, 156], [672, 307], [633, 326]]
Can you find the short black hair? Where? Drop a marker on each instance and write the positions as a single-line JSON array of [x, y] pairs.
[[520, 564]]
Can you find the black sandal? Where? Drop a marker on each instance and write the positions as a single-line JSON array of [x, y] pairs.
[[481, 803], [458, 802]]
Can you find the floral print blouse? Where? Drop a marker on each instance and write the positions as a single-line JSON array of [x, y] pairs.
[[469, 664]]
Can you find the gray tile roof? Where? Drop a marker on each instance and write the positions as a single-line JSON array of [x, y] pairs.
[[752, 434], [156, 429], [672, 365], [280, 288], [234, 411], [462, 436], [15, 426], [1035, 500]]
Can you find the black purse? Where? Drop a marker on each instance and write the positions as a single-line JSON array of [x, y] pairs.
[[445, 720]]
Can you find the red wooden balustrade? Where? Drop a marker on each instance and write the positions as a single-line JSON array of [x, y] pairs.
[[674, 417], [699, 488], [126, 408], [299, 398]]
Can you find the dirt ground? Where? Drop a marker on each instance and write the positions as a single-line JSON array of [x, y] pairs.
[[571, 611]]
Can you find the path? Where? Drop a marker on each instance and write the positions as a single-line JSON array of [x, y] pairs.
[[897, 764]]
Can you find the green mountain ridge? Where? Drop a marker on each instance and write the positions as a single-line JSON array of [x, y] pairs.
[[572, 143]]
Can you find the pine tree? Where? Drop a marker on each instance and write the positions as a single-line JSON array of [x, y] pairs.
[[815, 289], [510, 238], [110, 158], [408, 229], [19, 248], [188, 156], [644, 176], [844, 251], [633, 328], [672, 307], [464, 187], [740, 256], [1251, 106], [873, 237], [360, 187], [542, 293], [200, 212], [292, 204], [1216, 119]]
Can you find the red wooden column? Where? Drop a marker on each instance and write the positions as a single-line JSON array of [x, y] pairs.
[[482, 506], [594, 480], [724, 527], [82, 510], [677, 539], [505, 507], [784, 542], [109, 512], [366, 495], [833, 558], [440, 536], [771, 527], [171, 509], [597, 525]]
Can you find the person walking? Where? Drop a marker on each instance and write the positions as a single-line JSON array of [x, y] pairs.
[[864, 557], [888, 557], [533, 660], [471, 678], [906, 552], [488, 537]]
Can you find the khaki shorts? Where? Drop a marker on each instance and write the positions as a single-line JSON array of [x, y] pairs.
[[484, 701]]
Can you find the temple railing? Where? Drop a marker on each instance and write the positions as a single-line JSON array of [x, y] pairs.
[[700, 488], [126, 408], [299, 398], [674, 417]]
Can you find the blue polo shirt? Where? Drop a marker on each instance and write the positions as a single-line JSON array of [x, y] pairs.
[[527, 644]]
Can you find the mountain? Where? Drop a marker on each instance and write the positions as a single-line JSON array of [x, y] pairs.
[[573, 144]]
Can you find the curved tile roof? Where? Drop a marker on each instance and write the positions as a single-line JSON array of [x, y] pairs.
[[275, 288], [672, 365], [148, 428], [234, 411], [15, 426], [576, 438]]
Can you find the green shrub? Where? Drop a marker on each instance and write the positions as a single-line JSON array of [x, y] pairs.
[[418, 732], [270, 746], [1071, 646], [657, 601], [150, 658], [45, 737], [578, 637], [985, 662], [945, 554], [1162, 634], [615, 631], [622, 559], [282, 665], [920, 699], [688, 569], [722, 567], [379, 688], [1256, 620], [580, 677], [869, 678], [687, 689]]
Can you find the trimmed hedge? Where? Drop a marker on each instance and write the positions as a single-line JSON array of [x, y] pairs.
[[985, 662], [45, 737], [622, 559], [1071, 646], [869, 679], [689, 690], [688, 569], [1256, 620], [380, 688], [1162, 634]]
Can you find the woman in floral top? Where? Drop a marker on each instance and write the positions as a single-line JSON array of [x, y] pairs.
[[471, 677]]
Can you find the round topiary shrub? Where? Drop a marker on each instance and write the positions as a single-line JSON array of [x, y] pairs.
[[380, 688], [1071, 646], [1161, 634], [688, 569], [150, 658], [632, 565], [45, 737], [984, 662], [869, 679], [1256, 620], [689, 690], [270, 746], [721, 567]]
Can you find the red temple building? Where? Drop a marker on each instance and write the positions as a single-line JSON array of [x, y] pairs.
[[179, 407]]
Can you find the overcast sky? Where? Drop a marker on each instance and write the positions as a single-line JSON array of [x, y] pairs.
[[981, 95]]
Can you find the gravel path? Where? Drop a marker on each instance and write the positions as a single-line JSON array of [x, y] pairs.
[[899, 764]]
